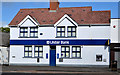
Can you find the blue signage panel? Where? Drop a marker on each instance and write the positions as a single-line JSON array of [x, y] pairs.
[[60, 42]]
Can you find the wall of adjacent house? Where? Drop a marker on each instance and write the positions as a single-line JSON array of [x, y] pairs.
[[115, 34], [17, 56], [88, 56]]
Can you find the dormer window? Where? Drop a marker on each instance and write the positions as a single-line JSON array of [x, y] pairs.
[[33, 32], [71, 31], [23, 32], [61, 31]]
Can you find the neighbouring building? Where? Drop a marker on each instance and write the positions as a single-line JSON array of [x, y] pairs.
[[72, 36], [115, 41], [4, 48]]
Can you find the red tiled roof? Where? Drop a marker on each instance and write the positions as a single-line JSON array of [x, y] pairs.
[[81, 15]]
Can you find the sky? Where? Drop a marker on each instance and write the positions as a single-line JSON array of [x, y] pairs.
[[10, 9]]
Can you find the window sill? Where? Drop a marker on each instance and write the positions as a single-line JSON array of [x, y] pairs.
[[32, 57], [65, 37], [27, 37], [71, 58]]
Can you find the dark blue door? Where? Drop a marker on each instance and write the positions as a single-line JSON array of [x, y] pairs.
[[52, 57]]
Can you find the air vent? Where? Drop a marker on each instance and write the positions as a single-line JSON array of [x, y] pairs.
[[62, 11], [83, 10], [42, 11], [51, 20], [43, 21], [72, 10], [82, 20], [32, 12], [69, 14], [16, 21]]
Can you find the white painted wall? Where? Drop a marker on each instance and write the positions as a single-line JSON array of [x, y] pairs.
[[88, 56], [83, 32], [115, 31], [17, 51]]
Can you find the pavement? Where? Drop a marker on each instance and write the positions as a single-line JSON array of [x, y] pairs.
[[56, 70]]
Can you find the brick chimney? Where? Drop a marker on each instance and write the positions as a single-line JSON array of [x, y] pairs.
[[54, 4]]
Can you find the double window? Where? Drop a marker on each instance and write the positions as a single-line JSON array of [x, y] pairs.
[[24, 32], [65, 51], [69, 32], [60, 31], [76, 50], [33, 32], [38, 51], [28, 51], [72, 31]]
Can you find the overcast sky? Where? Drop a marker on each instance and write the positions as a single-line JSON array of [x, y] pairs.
[[10, 9]]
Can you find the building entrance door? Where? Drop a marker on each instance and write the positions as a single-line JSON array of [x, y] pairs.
[[52, 55]]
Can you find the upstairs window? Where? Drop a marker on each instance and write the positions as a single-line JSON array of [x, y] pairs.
[[24, 32], [60, 31], [34, 32], [65, 51], [28, 51], [71, 31], [38, 51], [76, 52]]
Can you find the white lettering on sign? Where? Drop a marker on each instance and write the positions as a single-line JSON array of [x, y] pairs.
[[57, 42]]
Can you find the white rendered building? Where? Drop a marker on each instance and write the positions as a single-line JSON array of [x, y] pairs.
[[74, 36]]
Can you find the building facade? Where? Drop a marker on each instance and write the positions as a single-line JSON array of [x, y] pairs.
[[75, 36]]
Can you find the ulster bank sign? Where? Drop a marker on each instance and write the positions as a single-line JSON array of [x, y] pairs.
[[57, 42]]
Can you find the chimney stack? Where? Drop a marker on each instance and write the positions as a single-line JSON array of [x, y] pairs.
[[54, 4]]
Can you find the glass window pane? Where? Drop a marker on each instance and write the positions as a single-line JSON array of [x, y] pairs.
[[69, 33], [67, 48], [67, 54], [63, 48], [63, 29], [26, 53], [73, 54], [58, 34], [40, 54], [32, 34], [30, 53], [62, 54], [36, 29], [21, 29], [78, 48], [32, 29], [21, 34], [63, 33], [78, 54], [69, 28], [74, 49], [26, 48], [36, 48], [73, 29], [25, 34], [73, 33], [58, 29], [36, 53], [40, 48], [25, 29], [36, 34], [30, 48]]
